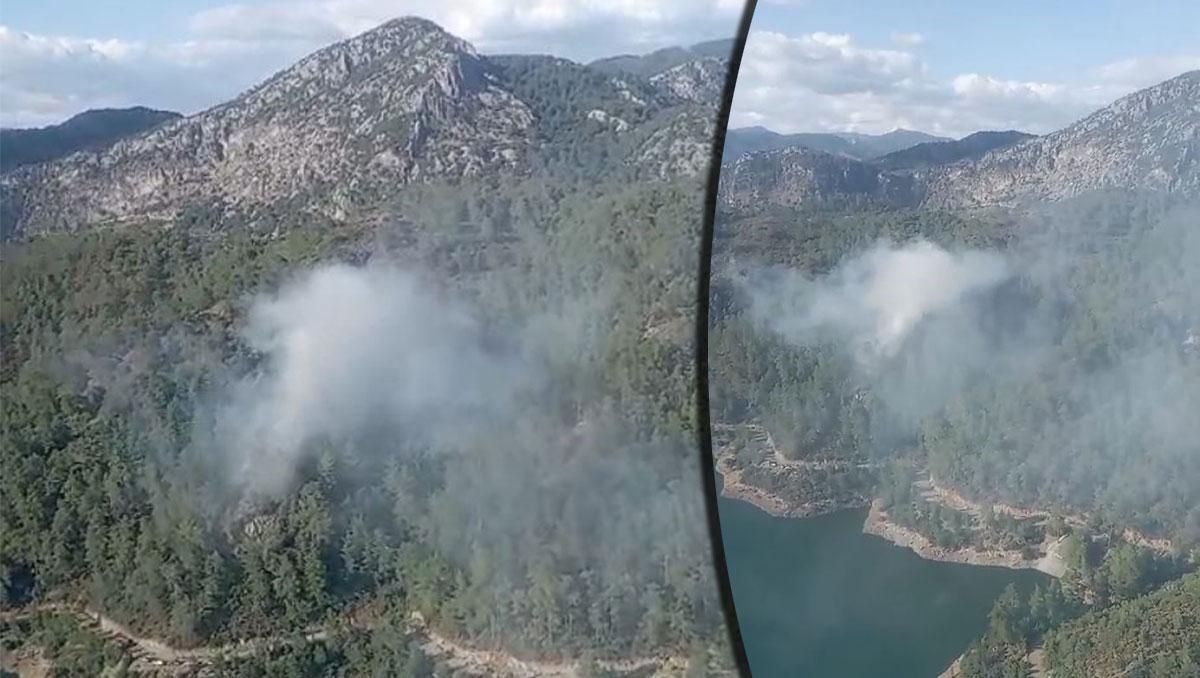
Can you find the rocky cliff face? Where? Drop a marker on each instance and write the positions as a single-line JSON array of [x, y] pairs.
[[399, 103], [343, 128], [1148, 140], [701, 80]]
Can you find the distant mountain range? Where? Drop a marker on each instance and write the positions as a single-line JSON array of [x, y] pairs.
[[1146, 141], [338, 132], [89, 130], [848, 144]]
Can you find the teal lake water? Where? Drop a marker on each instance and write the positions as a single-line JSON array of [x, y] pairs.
[[817, 598]]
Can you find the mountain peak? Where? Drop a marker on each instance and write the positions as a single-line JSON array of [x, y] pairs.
[[408, 33], [405, 101], [404, 49], [407, 23], [335, 135]]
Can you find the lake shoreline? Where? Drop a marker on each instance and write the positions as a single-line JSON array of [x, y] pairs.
[[733, 487], [763, 459], [820, 597], [878, 524], [758, 455]]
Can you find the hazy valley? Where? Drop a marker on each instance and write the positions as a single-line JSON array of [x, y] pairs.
[[990, 342]]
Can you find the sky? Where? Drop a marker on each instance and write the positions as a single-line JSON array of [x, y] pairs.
[[61, 57], [950, 67]]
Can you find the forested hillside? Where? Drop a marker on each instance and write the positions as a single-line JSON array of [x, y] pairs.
[[115, 341], [513, 356], [1081, 350], [88, 130], [1156, 635]]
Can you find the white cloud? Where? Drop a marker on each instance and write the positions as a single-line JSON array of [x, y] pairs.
[[908, 39], [229, 48], [976, 86], [825, 63], [820, 82], [1145, 71], [49, 78]]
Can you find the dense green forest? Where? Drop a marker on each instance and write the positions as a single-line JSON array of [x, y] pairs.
[[573, 529], [75, 651], [951, 529]]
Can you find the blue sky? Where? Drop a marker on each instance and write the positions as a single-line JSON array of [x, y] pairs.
[[60, 57], [1023, 39], [1083, 54], [136, 20]]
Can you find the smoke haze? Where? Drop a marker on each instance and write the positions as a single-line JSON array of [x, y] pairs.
[[933, 330]]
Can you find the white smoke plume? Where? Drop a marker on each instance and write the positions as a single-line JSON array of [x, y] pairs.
[[876, 300], [349, 350]]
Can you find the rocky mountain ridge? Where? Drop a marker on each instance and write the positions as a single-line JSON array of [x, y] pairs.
[[1147, 141], [700, 80], [344, 127]]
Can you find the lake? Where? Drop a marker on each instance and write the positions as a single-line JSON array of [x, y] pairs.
[[817, 598]]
